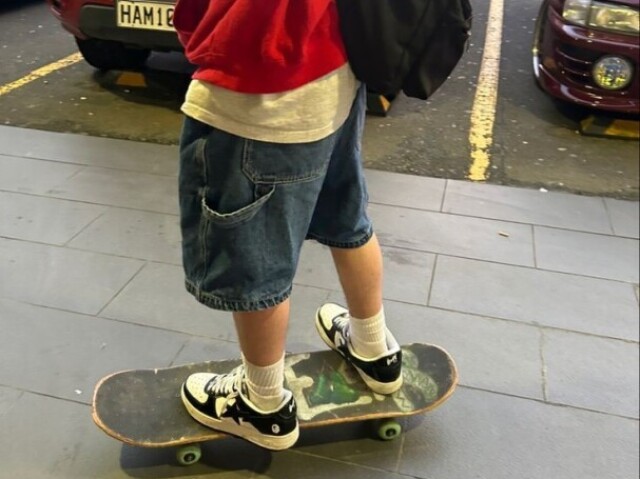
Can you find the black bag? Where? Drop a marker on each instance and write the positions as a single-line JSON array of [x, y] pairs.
[[408, 45]]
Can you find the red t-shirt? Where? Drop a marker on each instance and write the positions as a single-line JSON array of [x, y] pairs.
[[260, 46]]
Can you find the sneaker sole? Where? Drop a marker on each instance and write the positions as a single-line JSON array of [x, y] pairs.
[[380, 388], [375, 386], [274, 443]]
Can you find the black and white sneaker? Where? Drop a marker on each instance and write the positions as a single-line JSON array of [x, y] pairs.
[[221, 402], [382, 374]]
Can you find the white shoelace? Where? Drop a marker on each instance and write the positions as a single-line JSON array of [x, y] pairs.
[[342, 322], [227, 384]]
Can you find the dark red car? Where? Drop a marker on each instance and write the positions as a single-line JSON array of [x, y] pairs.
[[118, 33], [586, 52]]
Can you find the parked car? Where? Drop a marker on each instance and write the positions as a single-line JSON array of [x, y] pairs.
[[118, 34], [586, 52]]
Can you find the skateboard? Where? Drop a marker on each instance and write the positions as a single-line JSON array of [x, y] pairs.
[[143, 407]]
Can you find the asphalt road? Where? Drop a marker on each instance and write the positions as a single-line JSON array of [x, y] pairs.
[[536, 142]]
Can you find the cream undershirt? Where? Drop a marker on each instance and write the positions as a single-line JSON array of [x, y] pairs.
[[308, 113]]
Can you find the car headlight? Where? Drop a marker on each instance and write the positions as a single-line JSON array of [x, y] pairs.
[[603, 16]]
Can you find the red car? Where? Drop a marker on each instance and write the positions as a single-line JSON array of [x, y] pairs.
[[118, 34], [586, 52]]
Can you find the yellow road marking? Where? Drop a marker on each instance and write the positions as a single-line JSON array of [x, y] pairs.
[[40, 72], [484, 105]]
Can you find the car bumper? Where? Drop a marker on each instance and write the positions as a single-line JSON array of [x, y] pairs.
[[99, 21], [565, 59]]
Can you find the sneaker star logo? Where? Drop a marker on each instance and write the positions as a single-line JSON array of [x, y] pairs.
[[221, 406]]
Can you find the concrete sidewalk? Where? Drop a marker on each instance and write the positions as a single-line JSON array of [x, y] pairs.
[[535, 294]]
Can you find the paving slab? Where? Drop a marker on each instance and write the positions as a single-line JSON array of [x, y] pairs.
[[18, 174], [90, 150], [44, 220], [9, 398], [355, 444], [134, 234], [157, 297], [491, 354], [408, 191], [590, 305], [112, 187], [198, 350], [542, 439], [590, 372], [432, 232], [313, 467], [61, 278], [72, 447], [82, 451], [407, 274], [485, 435], [625, 217], [587, 254], [523, 205], [302, 335], [69, 353]]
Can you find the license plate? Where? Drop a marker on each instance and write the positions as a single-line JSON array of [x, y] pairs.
[[145, 15]]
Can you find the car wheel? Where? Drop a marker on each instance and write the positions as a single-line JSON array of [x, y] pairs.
[[109, 55]]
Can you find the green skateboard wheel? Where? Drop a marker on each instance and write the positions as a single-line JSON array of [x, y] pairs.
[[189, 455], [388, 430]]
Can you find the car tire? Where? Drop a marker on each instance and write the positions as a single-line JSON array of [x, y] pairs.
[[110, 55]]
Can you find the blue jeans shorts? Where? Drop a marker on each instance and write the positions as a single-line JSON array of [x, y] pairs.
[[247, 206]]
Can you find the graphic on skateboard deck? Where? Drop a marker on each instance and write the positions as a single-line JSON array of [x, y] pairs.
[[144, 408]]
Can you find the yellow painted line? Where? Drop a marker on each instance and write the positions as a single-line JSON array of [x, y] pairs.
[[484, 104], [40, 72]]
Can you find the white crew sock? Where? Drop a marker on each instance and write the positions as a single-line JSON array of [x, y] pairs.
[[265, 384], [369, 336]]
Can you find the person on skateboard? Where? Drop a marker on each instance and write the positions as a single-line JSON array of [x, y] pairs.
[[270, 155]]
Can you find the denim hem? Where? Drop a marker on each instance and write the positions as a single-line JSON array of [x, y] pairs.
[[215, 302], [342, 244]]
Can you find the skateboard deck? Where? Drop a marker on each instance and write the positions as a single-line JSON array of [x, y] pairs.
[[144, 408]]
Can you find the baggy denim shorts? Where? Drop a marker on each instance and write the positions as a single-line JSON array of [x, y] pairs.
[[247, 206]]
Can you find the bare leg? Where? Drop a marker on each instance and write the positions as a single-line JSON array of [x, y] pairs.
[[263, 334], [360, 272]]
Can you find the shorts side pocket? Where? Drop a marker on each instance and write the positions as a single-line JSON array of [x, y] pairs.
[[235, 218]]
